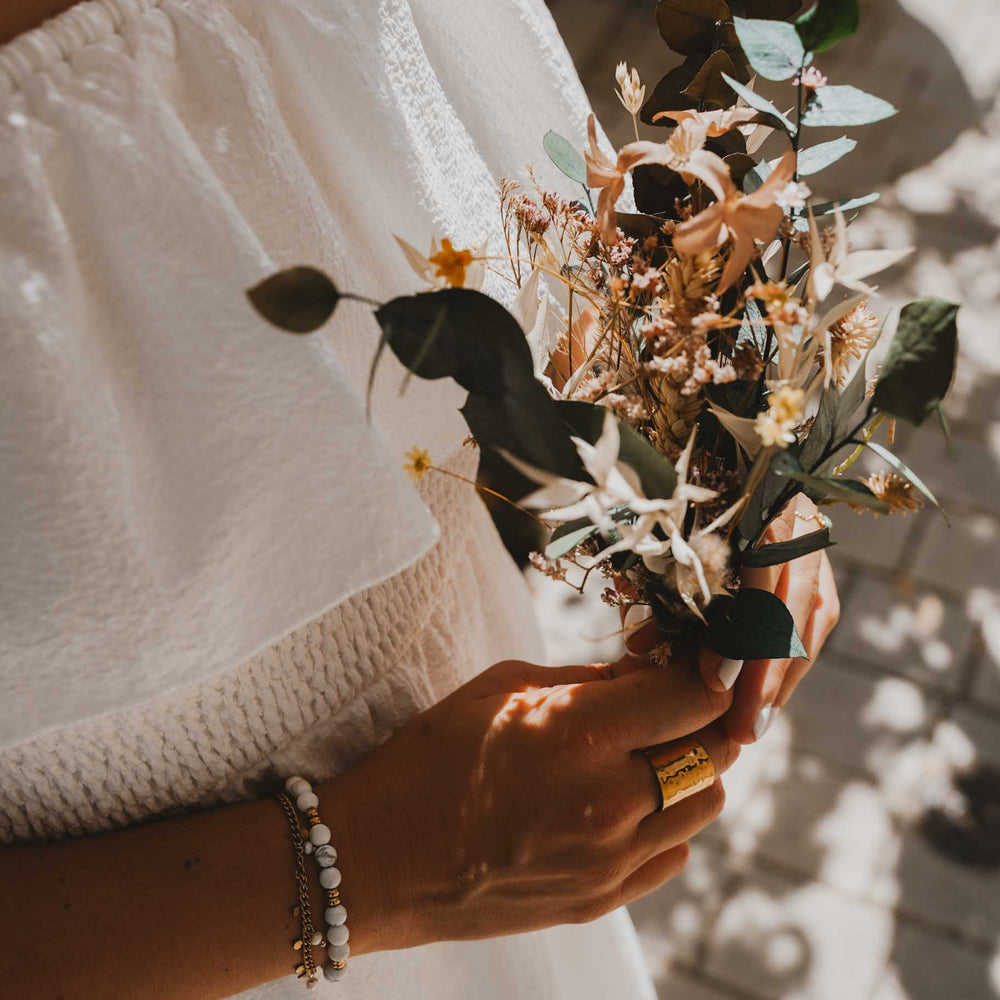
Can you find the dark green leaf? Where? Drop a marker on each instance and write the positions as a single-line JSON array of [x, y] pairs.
[[655, 471], [761, 104], [740, 164], [827, 23], [819, 157], [565, 156], [845, 490], [904, 470], [773, 48], [753, 179], [921, 361], [782, 552], [709, 87], [467, 336], [656, 189], [845, 105], [772, 8], [299, 300], [754, 625], [823, 430], [688, 26], [668, 94]]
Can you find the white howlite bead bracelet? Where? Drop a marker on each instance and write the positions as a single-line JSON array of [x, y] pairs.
[[319, 847]]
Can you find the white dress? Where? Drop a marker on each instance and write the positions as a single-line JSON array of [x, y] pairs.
[[214, 572]]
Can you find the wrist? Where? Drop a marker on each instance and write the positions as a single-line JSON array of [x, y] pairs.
[[370, 858]]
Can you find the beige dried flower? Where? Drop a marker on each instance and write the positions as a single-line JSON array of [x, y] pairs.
[[631, 91], [895, 491], [776, 426], [850, 339]]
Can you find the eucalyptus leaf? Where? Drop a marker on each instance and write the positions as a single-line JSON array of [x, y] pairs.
[[782, 552], [669, 94], [299, 299], [920, 365], [688, 26], [772, 8], [904, 470], [566, 538], [754, 625], [754, 179], [845, 105], [773, 48], [824, 429], [566, 157], [851, 491], [831, 208], [819, 157], [829, 22], [709, 87], [462, 334], [761, 104]]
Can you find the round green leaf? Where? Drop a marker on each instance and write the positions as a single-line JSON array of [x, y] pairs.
[[773, 48], [754, 625], [299, 299], [565, 156]]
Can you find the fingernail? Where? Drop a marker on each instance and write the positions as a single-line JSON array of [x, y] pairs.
[[728, 671], [763, 721], [636, 616]]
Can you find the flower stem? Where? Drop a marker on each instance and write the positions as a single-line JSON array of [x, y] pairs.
[[486, 489]]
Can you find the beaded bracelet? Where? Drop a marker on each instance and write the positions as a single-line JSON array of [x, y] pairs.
[[325, 854]]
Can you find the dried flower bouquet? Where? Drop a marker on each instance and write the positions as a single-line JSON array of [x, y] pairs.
[[671, 377]]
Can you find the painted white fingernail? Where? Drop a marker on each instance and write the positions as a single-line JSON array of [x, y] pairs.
[[762, 723], [728, 671], [636, 616]]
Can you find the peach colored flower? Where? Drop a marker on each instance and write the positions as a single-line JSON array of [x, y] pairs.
[[716, 122], [682, 152], [737, 217]]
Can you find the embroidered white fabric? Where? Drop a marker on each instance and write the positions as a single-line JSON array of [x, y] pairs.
[[214, 571]]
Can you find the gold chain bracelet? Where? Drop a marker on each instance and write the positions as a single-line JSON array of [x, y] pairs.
[[307, 967]]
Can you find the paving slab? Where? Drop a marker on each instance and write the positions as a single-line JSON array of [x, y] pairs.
[[921, 633], [798, 940]]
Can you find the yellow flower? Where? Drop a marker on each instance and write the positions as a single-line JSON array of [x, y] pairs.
[[419, 463], [451, 264], [776, 426]]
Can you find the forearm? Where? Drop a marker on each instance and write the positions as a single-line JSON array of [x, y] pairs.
[[198, 906]]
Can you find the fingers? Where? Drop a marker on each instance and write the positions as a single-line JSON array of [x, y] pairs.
[[649, 705], [653, 874], [825, 615], [640, 630], [797, 584], [659, 830]]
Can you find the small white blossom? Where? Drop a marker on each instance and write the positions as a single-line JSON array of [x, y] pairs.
[[793, 196]]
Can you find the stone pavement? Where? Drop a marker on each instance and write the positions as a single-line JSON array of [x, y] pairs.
[[846, 864]]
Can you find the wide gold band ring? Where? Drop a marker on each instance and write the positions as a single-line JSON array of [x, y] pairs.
[[682, 768]]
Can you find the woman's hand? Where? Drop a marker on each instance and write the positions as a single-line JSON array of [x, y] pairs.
[[520, 802], [806, 585]]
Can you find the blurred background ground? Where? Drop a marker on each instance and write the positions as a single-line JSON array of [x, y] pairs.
[[858, 858]]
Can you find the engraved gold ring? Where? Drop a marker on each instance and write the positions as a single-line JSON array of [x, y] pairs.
[[682, 768]]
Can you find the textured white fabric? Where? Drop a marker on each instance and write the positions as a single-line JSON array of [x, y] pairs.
[[183, 487]]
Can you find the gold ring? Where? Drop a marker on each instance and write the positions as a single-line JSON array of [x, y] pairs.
[[682, 768]]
